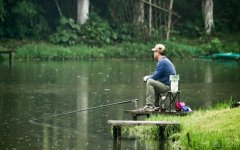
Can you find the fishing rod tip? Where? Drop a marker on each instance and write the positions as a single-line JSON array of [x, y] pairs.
[[134, 100], [30, 121]]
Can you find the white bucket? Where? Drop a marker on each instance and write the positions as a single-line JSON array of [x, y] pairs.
[[174, 83]]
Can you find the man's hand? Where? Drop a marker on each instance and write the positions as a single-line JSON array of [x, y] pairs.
[[145, 78]]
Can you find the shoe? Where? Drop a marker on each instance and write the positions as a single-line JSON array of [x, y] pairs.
[[149, 108]]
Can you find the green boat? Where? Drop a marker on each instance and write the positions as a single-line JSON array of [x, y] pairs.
[[233, 56]]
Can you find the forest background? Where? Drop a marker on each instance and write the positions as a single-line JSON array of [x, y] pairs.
[[59, 29]]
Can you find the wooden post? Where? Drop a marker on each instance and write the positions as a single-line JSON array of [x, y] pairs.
[[9, 52], [117, 124], [117, 132], [134, 117], [117, 144], [10, 59], [161, 130], [169, 20]]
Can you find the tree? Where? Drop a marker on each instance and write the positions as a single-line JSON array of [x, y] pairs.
[[169, 20], [82, 11], [207, 10], [138, 12], [2, 11]]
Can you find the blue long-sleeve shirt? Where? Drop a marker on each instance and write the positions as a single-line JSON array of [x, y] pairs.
[[163, 70]]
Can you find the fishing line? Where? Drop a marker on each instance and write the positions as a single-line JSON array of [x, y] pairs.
[[81, 110], [52, 126]]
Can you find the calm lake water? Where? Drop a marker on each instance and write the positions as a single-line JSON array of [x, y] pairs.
[[30, 90]]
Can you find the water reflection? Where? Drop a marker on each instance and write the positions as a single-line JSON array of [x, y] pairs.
[[208, 81], [46, 138], [82, 103], [34, 89]]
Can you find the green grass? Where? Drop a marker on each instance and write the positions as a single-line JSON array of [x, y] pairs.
[[216, 128], [47, 51], [212, 129], [179, 47]]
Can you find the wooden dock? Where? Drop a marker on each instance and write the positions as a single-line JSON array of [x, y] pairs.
[[118, 124], [138, 112], [9, 53]]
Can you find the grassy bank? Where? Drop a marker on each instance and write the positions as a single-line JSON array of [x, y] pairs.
[[216, 128], [178, 47], [48, 51]]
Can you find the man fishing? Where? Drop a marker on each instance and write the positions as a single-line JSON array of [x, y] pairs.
[[158, 82]]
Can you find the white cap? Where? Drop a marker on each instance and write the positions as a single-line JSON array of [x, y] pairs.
[[159, 47]]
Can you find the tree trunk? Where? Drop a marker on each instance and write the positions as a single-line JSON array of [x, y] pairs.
[[82, 11], [169, 20], [138, 12], [207, 9], [150, 17]]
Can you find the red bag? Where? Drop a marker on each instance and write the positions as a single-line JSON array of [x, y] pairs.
[[179, 105]]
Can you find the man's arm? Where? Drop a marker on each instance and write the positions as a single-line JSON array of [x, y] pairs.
[[158, 71]]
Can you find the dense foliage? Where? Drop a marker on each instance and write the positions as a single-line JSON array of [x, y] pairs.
[[95, 31], [23, 19], [34, 18], [40, 20]]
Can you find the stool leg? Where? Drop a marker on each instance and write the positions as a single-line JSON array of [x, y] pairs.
[[176, 97], [169, 95], [172, 99], [178, 93]]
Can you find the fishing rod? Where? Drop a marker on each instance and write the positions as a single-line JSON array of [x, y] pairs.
[[81, 110]]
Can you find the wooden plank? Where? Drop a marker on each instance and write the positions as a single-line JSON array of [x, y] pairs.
[[117, 126], [142, 112], [135, 122], [7, 52], [136, 113]]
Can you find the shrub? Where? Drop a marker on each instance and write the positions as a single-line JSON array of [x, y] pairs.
[[214, 46], [96, 31], [66, 32]]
